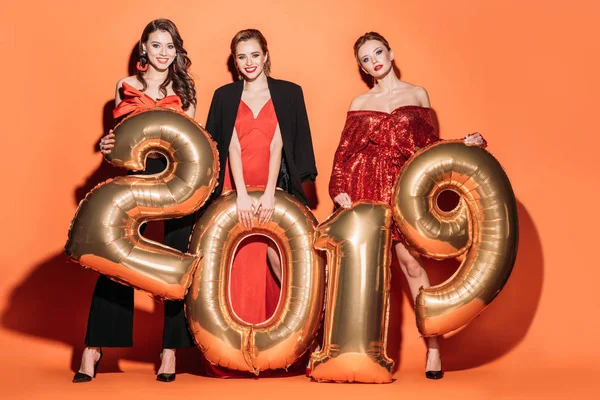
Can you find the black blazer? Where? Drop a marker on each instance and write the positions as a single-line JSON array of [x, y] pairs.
[[288, 100]]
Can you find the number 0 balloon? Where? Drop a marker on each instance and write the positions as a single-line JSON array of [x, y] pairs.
[[276, 343]]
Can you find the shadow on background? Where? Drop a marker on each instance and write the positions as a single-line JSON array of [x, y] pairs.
[[500, 327]]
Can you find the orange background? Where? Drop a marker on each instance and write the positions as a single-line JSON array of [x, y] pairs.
[[523, 73]]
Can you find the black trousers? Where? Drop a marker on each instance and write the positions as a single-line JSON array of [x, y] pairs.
[[110, 323]]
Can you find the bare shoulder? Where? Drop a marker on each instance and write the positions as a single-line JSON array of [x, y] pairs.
[[130, 80], [358, 103], [418, 93]]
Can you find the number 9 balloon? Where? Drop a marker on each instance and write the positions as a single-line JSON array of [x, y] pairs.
[[104, 234], [483, 228]]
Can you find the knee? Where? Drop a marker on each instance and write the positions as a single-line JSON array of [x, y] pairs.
[[413, 268], [273, 257]]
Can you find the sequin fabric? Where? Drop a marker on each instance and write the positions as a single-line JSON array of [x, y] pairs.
[[373, 148]]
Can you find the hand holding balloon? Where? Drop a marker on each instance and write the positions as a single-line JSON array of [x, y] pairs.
[[265, 207], [475, 139], [107, 142], [343, 199], [245, 209]]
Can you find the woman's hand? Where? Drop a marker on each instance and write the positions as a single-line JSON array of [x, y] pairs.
[[343, 200], [107, 143], [266, 206], [245, 209], [475, 139]]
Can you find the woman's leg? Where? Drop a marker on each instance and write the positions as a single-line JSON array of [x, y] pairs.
[[176, 334], [110, 322], [274, 261], [412, 267]]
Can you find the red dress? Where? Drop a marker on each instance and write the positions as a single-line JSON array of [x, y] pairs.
[[135, 101], [373, 148], [254, 292]]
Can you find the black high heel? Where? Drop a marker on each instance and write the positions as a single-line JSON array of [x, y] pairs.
[[433, 374], [80, 377], [165, 377]]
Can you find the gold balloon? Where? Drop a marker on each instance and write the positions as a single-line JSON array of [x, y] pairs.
[[483, 228], [104, 234], [224, 338], [357, 242]]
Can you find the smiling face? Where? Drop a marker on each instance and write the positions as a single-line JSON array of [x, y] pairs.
[[375, 59], [250, 59], [160, 50]]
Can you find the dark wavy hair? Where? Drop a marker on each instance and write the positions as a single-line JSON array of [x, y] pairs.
[[248, 34], [183, 84], [365, 38]]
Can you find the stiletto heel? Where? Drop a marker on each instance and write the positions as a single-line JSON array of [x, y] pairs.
[[165, 377], [80, 377], [433, 374]]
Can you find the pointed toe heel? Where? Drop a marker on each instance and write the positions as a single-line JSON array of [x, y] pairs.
[[434, 374], [80, 377], [166, 377]]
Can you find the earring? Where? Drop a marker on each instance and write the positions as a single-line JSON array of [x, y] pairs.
[[142, 64], [175, 65]]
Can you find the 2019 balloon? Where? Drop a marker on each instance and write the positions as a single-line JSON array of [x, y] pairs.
[[224, 338], [483, 228], [104, 234]]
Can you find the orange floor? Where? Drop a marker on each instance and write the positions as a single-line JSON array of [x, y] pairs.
[[48, 380], [43, 370]]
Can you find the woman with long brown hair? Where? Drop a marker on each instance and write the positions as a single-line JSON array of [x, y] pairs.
[[261, 128], [161, 80], [384, 128]]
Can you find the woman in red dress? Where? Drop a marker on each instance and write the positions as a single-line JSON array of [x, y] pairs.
[[254, 160], [263, 137], [162, 80], [384, 128]]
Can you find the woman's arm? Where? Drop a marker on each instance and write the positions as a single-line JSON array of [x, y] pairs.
[[266, 203], [474, 139], [245, 205], [191, 111], [337, 182], [108, 142]]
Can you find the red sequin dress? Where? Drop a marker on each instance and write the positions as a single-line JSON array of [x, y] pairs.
[[373, 148]]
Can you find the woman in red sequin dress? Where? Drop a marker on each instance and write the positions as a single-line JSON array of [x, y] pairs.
[[384, 127], [162, 80]]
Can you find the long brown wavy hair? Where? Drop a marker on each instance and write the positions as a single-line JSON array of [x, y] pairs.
[[183, 84]]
